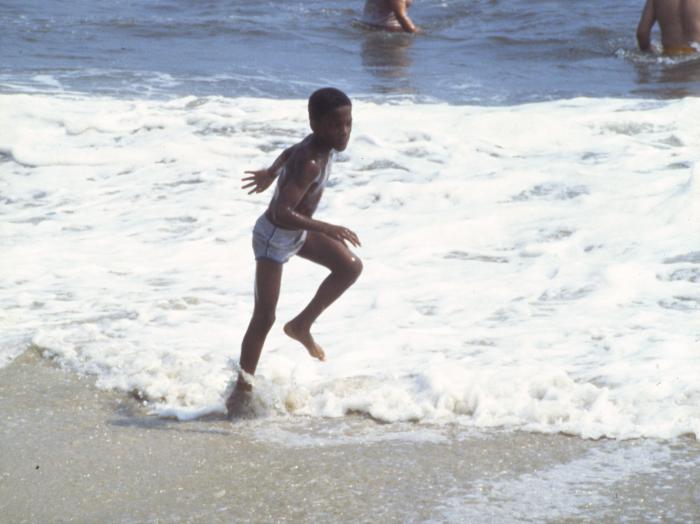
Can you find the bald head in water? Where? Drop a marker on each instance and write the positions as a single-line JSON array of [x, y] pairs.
[[679, 21]]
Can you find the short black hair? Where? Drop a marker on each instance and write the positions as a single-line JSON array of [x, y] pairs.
[[325, 100]]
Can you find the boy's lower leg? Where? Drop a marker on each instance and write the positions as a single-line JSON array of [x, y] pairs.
[[299, 328], [237, 404], [345, 268], [268, 276]]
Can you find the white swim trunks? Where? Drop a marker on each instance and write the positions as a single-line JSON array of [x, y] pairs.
[[276, 243]]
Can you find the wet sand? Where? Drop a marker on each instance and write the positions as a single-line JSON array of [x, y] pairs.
[[74, 453]]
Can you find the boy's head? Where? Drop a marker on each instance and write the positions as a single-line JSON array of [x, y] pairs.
[[330, 115]]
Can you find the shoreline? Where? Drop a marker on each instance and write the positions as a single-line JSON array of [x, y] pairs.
[[72, 452]]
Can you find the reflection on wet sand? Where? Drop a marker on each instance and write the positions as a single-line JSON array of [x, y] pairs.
[[387, 57]]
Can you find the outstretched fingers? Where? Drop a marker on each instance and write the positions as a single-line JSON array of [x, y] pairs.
[[248, 184], [348, 235], [253, 181], [342, 234]]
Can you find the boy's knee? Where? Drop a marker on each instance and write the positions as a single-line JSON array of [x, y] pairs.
[[355, 268], [265, 319]]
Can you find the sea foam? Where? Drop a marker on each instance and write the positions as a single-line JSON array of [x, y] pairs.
[[532, 267]]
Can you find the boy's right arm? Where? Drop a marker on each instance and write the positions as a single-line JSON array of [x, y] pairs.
[[261, 179], [282, 159], [284, 208]]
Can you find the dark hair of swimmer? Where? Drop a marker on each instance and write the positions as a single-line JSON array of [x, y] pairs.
[[325, 100]]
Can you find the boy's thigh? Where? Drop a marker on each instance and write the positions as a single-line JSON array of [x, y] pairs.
[[268, 278], [328, 252]]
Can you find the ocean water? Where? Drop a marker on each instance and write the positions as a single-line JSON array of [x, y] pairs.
[[473, 51], [524, 183]]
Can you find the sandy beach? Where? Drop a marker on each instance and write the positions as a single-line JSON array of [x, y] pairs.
[[73, 453]]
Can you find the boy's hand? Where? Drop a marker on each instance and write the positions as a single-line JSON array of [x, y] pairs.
[[342, 233], [259, 181]]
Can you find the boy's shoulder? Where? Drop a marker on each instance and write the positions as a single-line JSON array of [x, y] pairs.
[[305, 149], [304, 158]]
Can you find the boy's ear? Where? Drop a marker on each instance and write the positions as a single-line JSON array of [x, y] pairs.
[[313, 123]]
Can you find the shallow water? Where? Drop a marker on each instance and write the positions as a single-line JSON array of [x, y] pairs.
[[484, 52]]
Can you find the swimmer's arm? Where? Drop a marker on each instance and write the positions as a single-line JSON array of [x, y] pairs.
[[261, 179], [401, 14], [284, 210], [646, 22]]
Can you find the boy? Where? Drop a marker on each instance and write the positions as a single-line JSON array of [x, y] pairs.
[[287, 228]]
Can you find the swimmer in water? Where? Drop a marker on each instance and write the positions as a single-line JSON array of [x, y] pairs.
[[679, 21], [391, 15]]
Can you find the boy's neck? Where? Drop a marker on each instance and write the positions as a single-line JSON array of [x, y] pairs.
[[320, 145]]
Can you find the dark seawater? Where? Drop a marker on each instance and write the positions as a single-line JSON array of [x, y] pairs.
[[473, 51]]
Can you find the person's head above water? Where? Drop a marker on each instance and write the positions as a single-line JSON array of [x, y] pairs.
[[330, 115]]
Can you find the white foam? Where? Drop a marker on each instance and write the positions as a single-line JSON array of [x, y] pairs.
[[532, 266]]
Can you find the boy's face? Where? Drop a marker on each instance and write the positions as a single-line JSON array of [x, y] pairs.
[[335, 126]]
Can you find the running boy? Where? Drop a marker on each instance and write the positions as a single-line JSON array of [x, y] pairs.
[[287, 228]]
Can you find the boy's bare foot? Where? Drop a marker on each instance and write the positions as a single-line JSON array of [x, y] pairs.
[[304, 336], [239, 404]]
